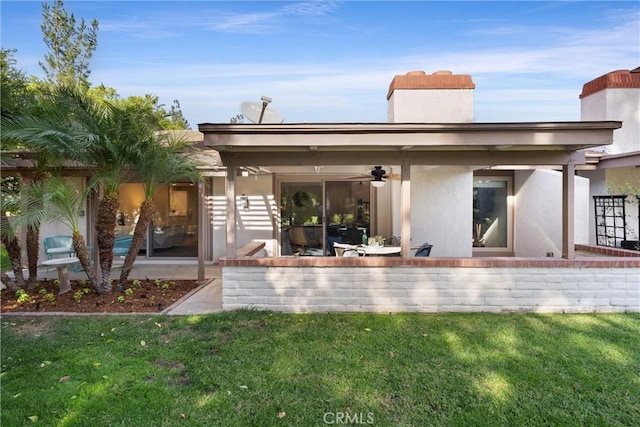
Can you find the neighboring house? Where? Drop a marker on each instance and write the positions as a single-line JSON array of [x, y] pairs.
[[614, 169]]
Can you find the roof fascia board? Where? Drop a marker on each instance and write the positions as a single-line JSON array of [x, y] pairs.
[[620, 160], [578, 135], [436, 158]]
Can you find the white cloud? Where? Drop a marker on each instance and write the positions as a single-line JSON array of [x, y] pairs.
[[532, 82]]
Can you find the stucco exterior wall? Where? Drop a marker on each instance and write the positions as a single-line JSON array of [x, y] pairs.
[[620, 179], [442, 209], [58, 228], [431, 106], [538, 212], [431, 289], [597, 187], [255, 223], [616, 104]]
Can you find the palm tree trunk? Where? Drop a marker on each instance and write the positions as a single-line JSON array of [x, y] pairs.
[[33, 248], [82, 252], [146, 212], [14, 254], [105, 233], [8, 282]]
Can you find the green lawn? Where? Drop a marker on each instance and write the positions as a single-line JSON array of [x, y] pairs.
[[261, 369]]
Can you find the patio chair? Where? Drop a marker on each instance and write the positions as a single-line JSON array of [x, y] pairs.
[[345, 250], [298, 239], [121, 245], [353, 235], [58, 245], [424, 250]]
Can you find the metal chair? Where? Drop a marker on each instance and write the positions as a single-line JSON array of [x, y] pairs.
[[345, 250], [424, 250]]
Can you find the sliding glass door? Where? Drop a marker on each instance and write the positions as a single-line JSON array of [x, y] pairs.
[[348, 212], [314, 215], [301, 214]]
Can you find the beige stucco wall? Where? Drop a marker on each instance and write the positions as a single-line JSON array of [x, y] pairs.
[[58, 228], [616, 104], [538, 213], [255, 223], [431, 106], [625, 181], [442, 209]]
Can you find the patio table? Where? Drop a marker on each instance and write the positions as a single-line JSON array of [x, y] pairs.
[[381, 250]]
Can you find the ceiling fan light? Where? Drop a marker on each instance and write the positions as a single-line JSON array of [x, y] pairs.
[[378, 183]]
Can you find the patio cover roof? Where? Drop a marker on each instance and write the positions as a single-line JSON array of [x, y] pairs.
[[486, 144], [539, 143]]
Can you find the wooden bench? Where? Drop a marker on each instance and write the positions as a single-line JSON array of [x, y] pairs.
[[62, 264], [250, 249]]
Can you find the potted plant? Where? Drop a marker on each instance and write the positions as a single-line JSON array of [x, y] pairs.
[[376, 240], [478, 227]]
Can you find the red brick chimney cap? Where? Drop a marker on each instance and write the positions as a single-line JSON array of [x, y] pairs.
[[619, 79], [443, 79]]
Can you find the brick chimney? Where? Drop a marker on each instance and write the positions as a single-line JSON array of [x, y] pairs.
[[615, 96], [441, 97]]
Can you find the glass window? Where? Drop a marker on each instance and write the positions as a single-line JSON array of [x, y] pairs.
[[491, 228], [174, 225]]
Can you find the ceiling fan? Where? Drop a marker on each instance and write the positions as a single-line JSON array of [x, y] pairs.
[[376, 171]]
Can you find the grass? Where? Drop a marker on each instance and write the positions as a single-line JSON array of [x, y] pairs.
[[251, 368]]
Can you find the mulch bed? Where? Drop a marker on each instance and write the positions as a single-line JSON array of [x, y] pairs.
[[140, 296]]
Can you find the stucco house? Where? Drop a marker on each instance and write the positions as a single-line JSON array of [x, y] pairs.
[[507, 207], [499, 202]]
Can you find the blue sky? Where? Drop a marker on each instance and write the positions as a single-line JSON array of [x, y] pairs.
[[332, 61]]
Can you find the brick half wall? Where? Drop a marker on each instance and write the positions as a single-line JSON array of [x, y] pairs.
[[551, 288]]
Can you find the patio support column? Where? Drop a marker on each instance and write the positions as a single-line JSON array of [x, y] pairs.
[[568, 211], [405, 209], [232, 248], [202, 214]]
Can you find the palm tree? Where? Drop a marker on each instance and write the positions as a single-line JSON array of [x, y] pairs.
[[160, 159], [101, 134], [11, 243], [56, 200], [31, 133]]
